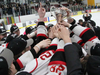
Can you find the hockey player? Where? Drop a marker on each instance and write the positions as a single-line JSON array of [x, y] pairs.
[[3, 35], [86, 34], [87, 18], [15, 30], [71, 53]]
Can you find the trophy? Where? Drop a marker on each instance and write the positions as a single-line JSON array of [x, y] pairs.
[[58, 13]]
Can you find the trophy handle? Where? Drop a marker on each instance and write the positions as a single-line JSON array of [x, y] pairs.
[[52, 11]]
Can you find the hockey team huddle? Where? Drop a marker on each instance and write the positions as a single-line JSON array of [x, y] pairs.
[[67, 48]]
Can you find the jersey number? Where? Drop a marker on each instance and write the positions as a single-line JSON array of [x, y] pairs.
[[47, 55], [59, 68]]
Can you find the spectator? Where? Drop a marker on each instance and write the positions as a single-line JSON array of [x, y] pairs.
[[9, 10]]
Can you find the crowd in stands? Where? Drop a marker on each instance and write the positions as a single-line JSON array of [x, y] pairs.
[[67, 48], [74, 6], [24, 9], [10, 8]]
